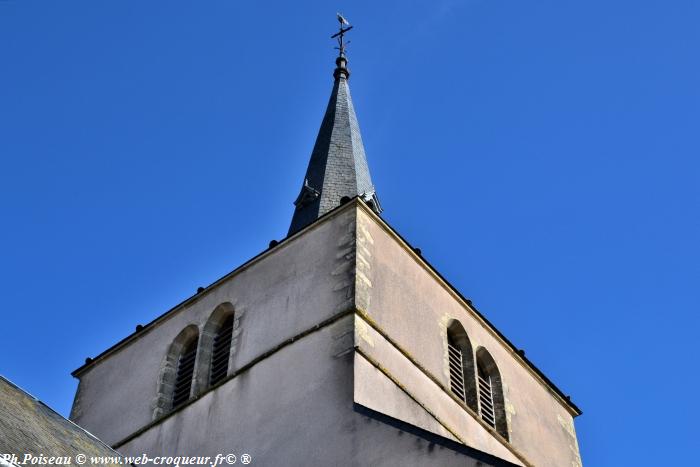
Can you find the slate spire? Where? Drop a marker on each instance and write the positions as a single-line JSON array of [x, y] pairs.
[[338, 165]]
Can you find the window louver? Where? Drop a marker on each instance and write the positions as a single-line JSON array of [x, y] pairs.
[[220, 352], [185, 370], [456, 371], [486, 399]]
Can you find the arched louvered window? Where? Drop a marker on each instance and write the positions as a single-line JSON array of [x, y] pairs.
[[461, 364], [185, 373], [490, 389], [456, 371], [177, 376], [221, 349], [486, 410], [216, 345]]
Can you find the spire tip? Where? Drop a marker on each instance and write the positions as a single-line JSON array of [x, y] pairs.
[[341, 70]]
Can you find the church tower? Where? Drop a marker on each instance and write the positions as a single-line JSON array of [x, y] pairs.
[[339, 345]]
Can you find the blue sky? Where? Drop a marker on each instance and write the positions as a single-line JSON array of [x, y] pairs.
[[543, 155]]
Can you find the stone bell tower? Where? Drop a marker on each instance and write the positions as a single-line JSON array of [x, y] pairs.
[[339, 345]]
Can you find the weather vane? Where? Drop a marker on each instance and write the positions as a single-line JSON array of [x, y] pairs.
[[340, 35]]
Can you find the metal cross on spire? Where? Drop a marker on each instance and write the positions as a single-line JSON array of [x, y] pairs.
[[340, 35]]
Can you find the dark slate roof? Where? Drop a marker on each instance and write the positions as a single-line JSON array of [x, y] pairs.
[[28, 426], [338, 165]]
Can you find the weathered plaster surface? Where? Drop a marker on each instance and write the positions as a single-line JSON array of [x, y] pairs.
[[278, 412], [275, 298], [435, 402], [411, 305]]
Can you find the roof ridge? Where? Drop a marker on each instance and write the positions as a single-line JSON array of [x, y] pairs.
[[55, 412]]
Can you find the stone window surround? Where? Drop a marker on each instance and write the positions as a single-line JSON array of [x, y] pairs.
[[472, 359], [162, 402]]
